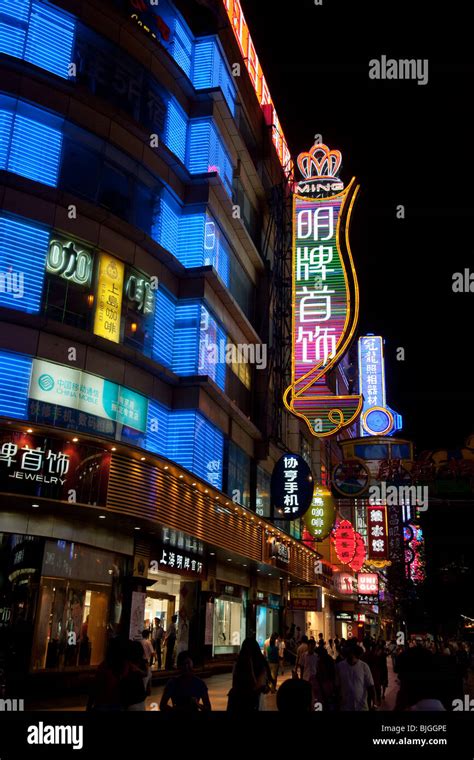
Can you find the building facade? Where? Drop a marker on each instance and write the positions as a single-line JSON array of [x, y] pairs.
[[138, 357]]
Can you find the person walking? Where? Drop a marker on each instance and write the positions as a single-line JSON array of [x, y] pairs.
[[157, 639], [309, 669], [250, 679], [170, 641], [105, 695], [273, 658], [354, 681], [281, 653], [326, 678], [301, 650], [134, 684], [188, 693]]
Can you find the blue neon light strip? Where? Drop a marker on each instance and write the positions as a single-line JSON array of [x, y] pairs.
[[15, 371], [38, 33], [35, 150], [186, 333], [176, 129], [210, 70], [23, 249], [206, 152], [163, 332]]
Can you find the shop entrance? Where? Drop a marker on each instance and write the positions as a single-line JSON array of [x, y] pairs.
[[267, 623]]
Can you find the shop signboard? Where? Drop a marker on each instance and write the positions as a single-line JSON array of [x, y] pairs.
[[344, 583], [368, 598], [377, 533], [278, 553], [367, 583], [48, 467], [291, 487], [166, 558], [325, 296], [70, 260], [64, 386], [320, 517], [376, 418], [345, 616], [109, 292], [306, 598]]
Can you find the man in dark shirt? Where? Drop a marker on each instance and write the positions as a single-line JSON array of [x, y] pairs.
[[187, 692]]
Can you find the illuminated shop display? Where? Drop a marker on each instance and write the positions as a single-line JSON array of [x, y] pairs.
[[320, 517], [376, 417], [325, 296]]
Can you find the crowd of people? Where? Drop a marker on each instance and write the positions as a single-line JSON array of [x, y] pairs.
[[345, 675]]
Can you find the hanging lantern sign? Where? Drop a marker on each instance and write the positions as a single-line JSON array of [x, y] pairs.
[[359, 555], [291, 487], [320, 517], [344, 541]]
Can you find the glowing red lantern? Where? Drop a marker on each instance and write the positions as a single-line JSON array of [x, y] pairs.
[[359, 554], [344, 542]]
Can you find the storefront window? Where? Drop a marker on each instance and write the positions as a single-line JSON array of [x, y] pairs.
[[79, 606], [228, 625]]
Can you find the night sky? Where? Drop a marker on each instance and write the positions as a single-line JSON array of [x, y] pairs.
[[407, 144]]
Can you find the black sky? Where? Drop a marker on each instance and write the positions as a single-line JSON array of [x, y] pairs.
[[407, 144]]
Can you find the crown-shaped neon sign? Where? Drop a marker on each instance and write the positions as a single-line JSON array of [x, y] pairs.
[[320, 162]]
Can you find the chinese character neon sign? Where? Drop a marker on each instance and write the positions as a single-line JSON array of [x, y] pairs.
[[325, 295], [377, 418]]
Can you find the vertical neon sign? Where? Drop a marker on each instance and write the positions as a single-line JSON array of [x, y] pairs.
[[325, 294]]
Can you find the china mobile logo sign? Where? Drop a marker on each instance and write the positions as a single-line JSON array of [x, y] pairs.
[[392, 495]]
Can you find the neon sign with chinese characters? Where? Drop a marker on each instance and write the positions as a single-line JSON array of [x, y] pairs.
[[247, 48], [376, 418], [325, 295]]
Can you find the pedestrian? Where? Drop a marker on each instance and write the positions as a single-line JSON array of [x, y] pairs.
[[273, 658], [372, 659], [420, 685], [295, 697], [302, 649], [309, 669], [250, 678], [187, 692], [383, 656], [354, 681], [157, 638], [321, 642], [170, 641], [105, 695], [281, 653], [148, 647], [135, 683], [326, 680]]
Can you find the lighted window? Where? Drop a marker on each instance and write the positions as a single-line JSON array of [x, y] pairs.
[[240, 367]]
